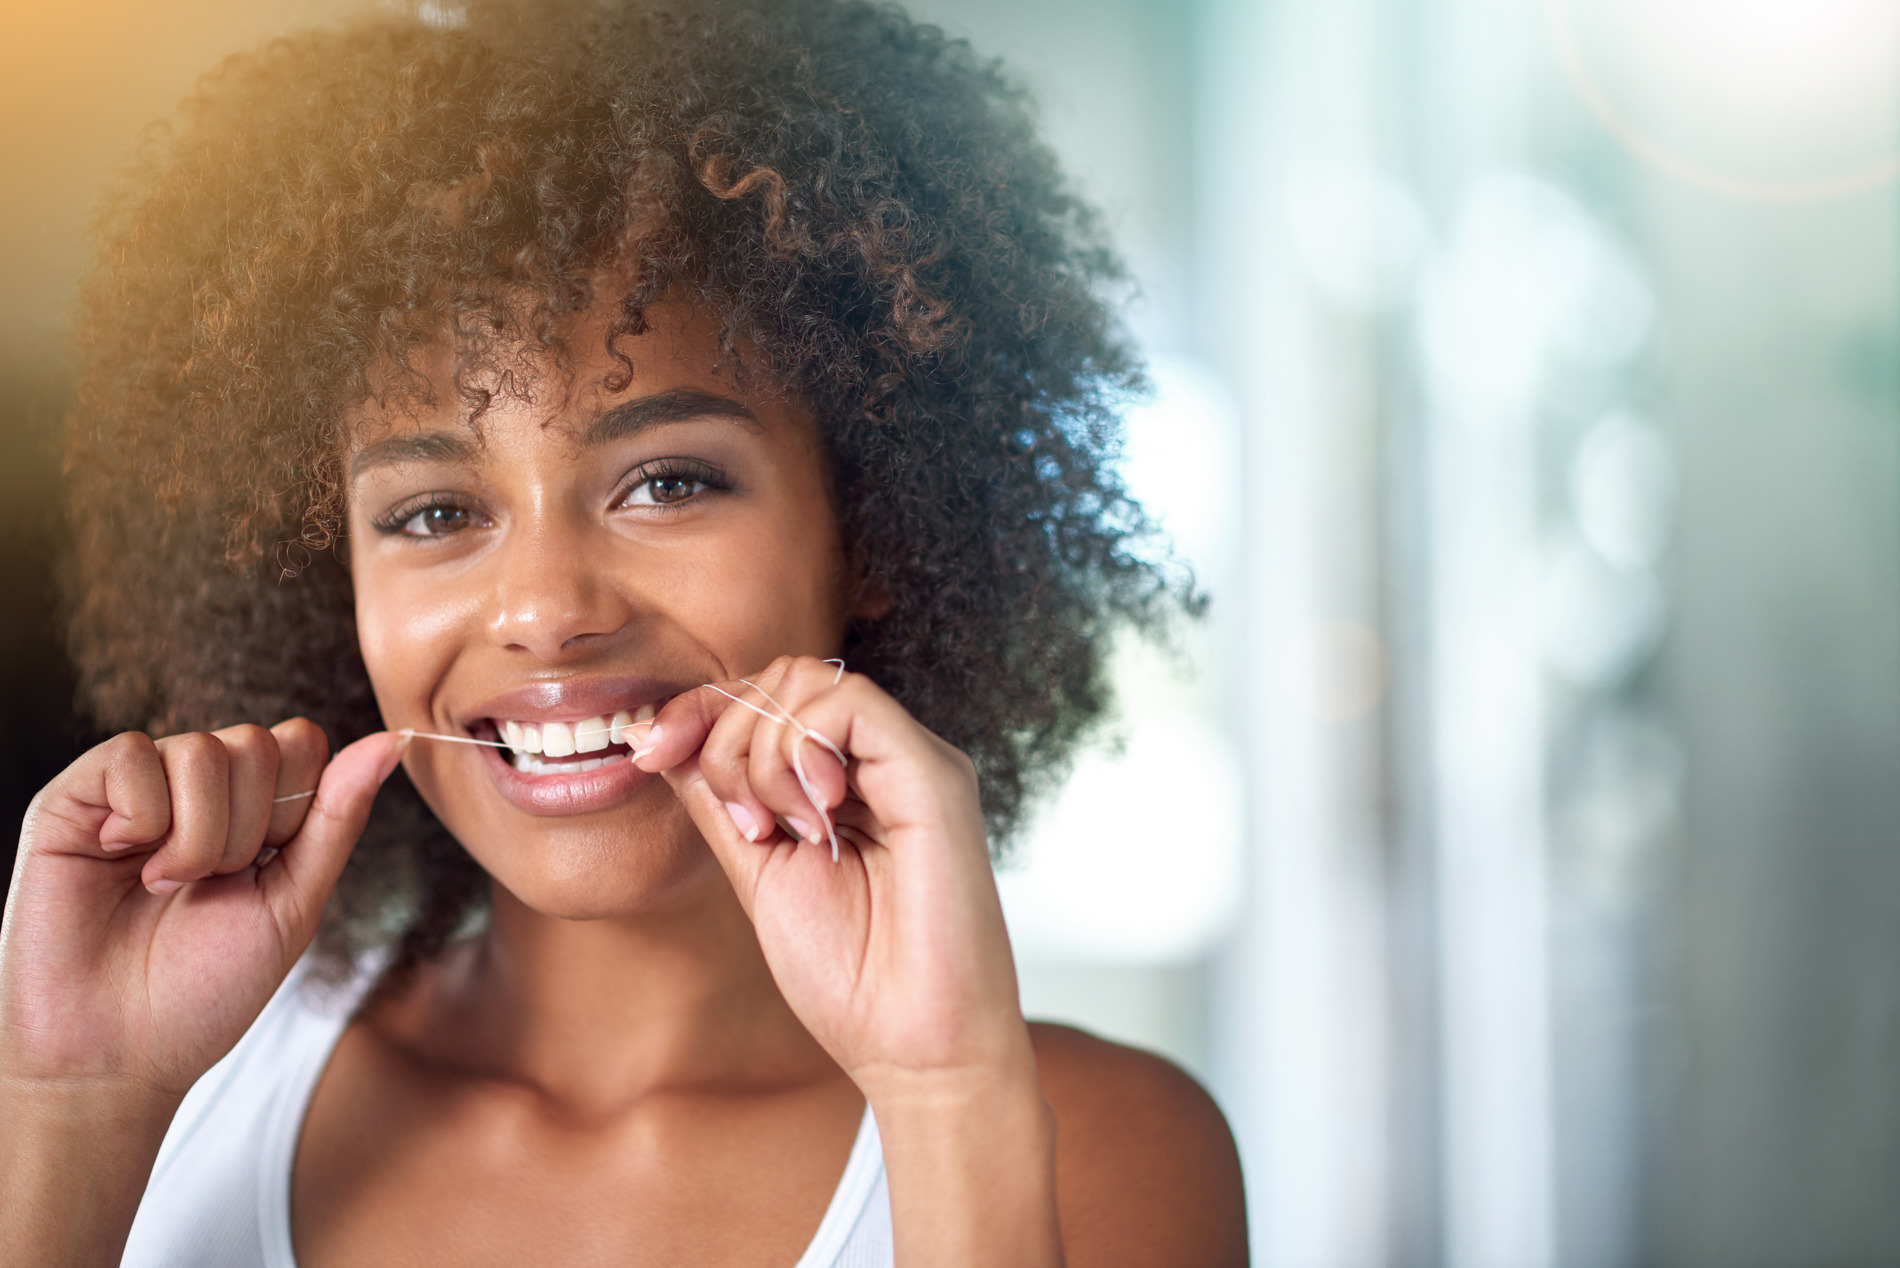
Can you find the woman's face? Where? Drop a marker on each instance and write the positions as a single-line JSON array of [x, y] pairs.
[[578, 556]]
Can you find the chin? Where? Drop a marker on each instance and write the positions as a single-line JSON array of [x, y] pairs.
[[576, 874], [637, 858]]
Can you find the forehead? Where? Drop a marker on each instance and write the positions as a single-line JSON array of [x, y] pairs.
[[450, 399]]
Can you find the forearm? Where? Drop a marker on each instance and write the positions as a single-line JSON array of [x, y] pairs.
[[971, 1163], [74, 1160]]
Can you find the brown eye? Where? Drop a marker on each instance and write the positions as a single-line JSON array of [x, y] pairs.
[[665, 490], [437, 521]]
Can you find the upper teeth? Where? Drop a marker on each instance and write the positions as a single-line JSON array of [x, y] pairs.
[[590, 735]]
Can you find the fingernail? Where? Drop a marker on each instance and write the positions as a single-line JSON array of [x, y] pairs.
[[651, 742], [802, 828], [164, 886], [742, 819]]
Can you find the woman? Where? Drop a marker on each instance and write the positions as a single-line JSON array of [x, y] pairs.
[[673, 435]]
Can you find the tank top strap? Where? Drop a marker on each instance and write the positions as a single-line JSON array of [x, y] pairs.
[[219, 1194], [856, 1229]]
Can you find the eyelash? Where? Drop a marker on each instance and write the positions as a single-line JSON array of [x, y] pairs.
[[711, 478], [395, 522]]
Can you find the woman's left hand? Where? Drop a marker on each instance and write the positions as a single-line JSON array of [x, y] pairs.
[[895, 957]]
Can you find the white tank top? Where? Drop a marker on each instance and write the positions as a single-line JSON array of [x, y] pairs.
[[219, 1196]]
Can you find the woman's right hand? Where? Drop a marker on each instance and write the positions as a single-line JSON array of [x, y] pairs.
[[141, 936]]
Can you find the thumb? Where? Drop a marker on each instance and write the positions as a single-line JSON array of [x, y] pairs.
[[742, 860], [311, 861]]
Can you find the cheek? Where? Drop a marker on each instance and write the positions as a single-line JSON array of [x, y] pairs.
[[769, 591], [409, 635]]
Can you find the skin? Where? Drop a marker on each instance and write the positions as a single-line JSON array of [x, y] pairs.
[[660, 1049]]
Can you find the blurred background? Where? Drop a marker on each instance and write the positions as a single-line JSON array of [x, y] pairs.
[[1513, 851]]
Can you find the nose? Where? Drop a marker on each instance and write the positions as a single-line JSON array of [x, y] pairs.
[[551, 597]]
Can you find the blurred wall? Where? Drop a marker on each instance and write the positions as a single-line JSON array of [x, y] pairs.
[[1774, 1015]]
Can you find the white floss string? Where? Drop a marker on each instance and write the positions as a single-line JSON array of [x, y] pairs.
[[785, 718], [410, 733], [782, 717], [407, 733]]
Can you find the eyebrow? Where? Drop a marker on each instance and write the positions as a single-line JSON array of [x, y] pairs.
[[627, 419], [395, 451], [634, 417]]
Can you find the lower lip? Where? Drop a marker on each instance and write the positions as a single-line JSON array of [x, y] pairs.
[[567, 793]]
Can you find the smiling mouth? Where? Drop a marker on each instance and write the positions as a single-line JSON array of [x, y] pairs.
[[567, 748]]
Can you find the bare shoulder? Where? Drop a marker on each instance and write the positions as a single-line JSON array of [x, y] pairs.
[[1146, 1169]]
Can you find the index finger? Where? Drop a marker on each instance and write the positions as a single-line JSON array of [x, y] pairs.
[[680, 728], [113, 797], [302, 752]]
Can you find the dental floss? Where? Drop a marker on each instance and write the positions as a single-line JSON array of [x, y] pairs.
[[278, 801], [783, 717], [410, 733]]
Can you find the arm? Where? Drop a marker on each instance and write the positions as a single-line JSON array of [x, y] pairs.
[[70, 1200], [972, 1170]]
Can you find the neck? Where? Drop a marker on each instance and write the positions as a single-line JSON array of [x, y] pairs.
[[598, 1014]]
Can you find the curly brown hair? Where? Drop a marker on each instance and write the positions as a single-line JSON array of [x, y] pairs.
[[862, 200]]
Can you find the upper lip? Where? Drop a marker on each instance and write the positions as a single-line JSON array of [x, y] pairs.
[[573, 699]]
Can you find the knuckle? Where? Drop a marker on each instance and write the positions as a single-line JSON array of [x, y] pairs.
[[710, 706], [322, 811], [825, 673], [129, 745], [959, 762], [130, 754], [254, 750], [723, 769], [328, 819], [247, 737], [197, 747], [294, 734], [702, 704], [129, 760], [861, 688], [771, 775], [194, 849]]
